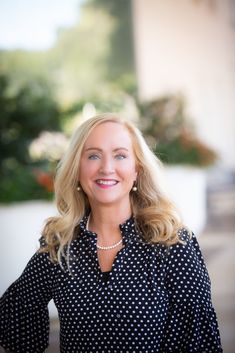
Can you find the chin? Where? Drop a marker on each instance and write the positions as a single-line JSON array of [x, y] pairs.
[[109, 201]]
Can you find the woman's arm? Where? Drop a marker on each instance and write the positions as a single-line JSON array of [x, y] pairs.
[[24, 316], [192, 324]]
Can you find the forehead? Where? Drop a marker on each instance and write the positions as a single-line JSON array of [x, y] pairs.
[[109, 133]]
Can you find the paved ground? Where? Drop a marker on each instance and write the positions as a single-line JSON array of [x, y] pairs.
[[218, 246]]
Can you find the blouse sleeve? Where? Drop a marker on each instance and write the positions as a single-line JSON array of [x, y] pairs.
[[192, 325], [24, 318]]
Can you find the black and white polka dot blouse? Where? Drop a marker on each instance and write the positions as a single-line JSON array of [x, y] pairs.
[[154, 300]]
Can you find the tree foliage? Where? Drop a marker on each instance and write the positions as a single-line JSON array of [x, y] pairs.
[[92, 58], [120, 60], [24, 114]]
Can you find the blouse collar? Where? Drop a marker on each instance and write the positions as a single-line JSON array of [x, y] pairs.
[[128, 230]]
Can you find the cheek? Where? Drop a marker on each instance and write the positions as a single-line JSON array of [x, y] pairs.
[[87, 169], [85, 176], [129, 171]]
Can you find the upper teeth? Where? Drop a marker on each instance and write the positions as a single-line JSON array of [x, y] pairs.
[[106, 182]]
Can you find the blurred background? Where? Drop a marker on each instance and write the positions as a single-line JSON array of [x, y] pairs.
[[168, 66]]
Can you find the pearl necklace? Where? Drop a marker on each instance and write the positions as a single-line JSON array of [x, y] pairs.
[[110, 246], [103, 247]]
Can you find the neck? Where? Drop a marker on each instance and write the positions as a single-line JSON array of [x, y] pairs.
[[105, 223]]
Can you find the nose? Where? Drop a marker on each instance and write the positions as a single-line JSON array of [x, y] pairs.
[[107, 166]]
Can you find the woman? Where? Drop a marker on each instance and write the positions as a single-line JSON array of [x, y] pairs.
[[124, 274]]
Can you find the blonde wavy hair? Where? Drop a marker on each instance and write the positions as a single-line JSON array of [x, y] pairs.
[[155, 215]]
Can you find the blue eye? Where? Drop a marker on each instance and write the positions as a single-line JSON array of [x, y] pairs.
[[120, 156], [93, 156]]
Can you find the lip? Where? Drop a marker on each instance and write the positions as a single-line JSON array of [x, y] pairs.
[[106, 183]]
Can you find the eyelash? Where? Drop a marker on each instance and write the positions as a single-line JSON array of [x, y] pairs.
[[120, 155], [117, 156], [93, 156]]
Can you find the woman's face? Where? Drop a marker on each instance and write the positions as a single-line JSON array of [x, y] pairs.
[[107, 167]]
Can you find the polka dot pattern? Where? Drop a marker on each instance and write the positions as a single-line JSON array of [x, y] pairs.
[[155, 299]]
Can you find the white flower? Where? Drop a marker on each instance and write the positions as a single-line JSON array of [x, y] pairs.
[[49, 145]]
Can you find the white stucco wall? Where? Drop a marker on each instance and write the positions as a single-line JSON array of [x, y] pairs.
[[188, 46], [21, 226]]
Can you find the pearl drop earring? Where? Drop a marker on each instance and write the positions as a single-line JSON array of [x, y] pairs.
[[134, 188]]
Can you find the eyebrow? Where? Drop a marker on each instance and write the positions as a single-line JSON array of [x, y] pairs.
[[100, 149]]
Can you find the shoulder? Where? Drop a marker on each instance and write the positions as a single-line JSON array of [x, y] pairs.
[[42, 242], [186, 254], [186, 248], [41, 258]]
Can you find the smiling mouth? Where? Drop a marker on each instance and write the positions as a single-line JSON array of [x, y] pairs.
[[103, 182]]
